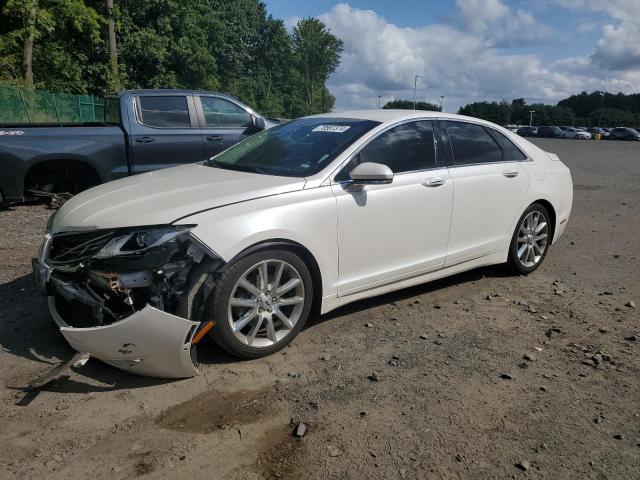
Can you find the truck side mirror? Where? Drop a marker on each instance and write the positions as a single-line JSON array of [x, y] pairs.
[[258, 123]]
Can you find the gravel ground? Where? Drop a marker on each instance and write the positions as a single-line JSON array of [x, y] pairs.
[[481, 375]]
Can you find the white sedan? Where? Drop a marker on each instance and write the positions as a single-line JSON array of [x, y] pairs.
[[304, 217], [575, 133]]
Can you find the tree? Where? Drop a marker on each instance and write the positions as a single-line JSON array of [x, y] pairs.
[[57, 40], [499, 113], [273, 68], [235, 46], [26, 13], [114, 84], [316, 56], [29, 37], [408, 105]]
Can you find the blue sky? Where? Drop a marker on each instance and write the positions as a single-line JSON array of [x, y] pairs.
[[470, 50]]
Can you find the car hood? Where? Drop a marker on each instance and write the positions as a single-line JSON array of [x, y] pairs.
[[164, 196]]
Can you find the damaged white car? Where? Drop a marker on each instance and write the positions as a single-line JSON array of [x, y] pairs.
[[317, 212]]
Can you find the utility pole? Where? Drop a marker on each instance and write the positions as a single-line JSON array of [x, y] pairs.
[[601, 108], [415, 83], [531, 112], [441, 101], [379, 97]]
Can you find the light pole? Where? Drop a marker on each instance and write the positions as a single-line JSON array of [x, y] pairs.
[[601, 108], [379, 96], [441, 101], [531, 112], [415, 83]]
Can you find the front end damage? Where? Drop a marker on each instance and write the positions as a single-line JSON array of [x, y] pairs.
[[131, 297]]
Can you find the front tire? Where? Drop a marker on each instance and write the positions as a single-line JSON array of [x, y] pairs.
[[530, 240], [260, 303]]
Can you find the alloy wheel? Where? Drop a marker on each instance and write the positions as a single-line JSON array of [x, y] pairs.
[[532, 239], [266, 303]]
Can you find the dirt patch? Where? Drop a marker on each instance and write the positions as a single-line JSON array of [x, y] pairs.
[[213, 410], [280, 454]]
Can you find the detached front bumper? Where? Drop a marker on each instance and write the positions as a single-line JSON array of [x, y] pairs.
[[149, 342]]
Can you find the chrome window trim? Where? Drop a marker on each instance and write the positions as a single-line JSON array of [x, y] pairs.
[[488, 163]]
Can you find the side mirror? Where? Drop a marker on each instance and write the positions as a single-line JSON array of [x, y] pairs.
[[258, 123], [371, 173]]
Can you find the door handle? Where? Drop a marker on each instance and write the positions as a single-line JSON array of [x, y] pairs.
[[214, 138], [511, 173], [433, 182], [144, 139]]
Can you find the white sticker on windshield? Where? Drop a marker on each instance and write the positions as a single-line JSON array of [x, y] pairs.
[[331, 128]]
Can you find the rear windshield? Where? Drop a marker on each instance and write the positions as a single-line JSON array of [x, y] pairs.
[[299, 148]]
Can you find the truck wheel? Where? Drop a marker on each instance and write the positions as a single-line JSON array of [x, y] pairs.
[[61, 176]]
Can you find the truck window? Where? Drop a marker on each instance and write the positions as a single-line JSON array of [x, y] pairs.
[[222, 113], [164, 112]]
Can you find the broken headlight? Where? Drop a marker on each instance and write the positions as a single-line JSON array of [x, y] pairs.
[[140, 240], [49, 227]]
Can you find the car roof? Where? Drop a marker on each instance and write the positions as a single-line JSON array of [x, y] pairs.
[[384, 116], [140, 91]]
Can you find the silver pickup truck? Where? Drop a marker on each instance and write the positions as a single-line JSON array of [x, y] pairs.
[[143, 130]]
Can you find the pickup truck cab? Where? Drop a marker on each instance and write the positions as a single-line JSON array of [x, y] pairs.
[[143, 130]]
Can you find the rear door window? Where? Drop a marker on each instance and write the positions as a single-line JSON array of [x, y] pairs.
[[164, 111], [471, 144], [219, 112], [509, 151]]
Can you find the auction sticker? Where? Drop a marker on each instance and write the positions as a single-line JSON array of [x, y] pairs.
[[11, 132], [331, 128]]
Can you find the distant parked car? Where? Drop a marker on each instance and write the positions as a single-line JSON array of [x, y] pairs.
[[571, 132], [550, 132], [595, 130], [527, 131], [624, 133]]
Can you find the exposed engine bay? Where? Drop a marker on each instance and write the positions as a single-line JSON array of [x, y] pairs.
[[130, 295]]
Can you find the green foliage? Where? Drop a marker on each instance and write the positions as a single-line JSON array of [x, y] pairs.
[[494, 112], [408, 105], [583, 110], [316, 55], [227, 45], [67, 36]]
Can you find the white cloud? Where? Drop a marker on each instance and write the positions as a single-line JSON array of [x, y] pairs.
[[464, 61], [619, 46], [499, 25]]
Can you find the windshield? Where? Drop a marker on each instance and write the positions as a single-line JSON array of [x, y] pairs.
[[299, 148]]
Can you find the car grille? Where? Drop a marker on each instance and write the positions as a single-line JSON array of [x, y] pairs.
[[69, 248]]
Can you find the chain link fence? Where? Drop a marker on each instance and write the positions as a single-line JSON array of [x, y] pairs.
[[25, 106]]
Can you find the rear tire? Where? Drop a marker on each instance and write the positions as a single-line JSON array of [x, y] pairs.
[[256, 317], [530, 240]]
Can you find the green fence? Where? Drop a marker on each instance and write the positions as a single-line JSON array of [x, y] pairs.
[[19, 105]]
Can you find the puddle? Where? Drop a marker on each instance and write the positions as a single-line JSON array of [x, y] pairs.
[[213, 410]]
